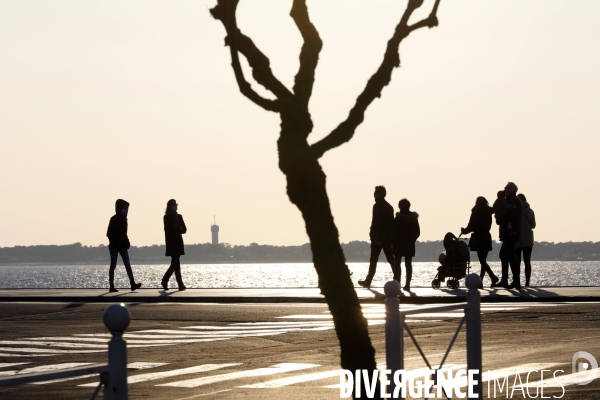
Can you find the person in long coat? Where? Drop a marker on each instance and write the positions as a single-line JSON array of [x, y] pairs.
[[510, 234], [525, 245], [118, 243], [405, 232], [479, 225], [174, 229], [380, 234]]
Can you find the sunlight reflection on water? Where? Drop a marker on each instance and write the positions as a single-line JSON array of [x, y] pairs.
[[545, 273]]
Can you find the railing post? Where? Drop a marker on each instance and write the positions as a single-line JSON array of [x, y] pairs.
[[106, 381], [473, 322], [394, 352], [401, 342], [117, 318]]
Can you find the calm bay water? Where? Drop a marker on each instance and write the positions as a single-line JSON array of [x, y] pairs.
[[545, 273]]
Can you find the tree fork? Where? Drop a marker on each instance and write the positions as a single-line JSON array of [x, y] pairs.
[[306, 181]]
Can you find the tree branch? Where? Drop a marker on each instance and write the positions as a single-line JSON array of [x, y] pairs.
[[309, 55], [381, 78], [245, 87], [225, 11], [430, 22]]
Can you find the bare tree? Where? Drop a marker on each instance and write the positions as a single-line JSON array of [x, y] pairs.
[[299, 161]]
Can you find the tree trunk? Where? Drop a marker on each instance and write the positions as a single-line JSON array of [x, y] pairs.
[[306, 189], [299, 161]]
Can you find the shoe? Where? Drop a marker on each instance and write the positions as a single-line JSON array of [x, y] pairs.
[[502, 284], [406, 288], [495, 280], [365, 284], [514, 286], [526, 284], [165, 285], [135, 286], [112, 289], [182, 288], [481, 286]]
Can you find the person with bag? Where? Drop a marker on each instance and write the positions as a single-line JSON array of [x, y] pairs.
[[479, 225], [118, 243], [525, 245], [174, 229]]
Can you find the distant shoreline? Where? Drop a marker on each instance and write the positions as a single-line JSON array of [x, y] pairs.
[[356, 251]]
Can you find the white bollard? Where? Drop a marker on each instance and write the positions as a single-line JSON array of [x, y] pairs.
[[473, 322], [117, 318], [394, 331]]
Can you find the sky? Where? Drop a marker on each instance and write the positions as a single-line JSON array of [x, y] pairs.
[[136, 99]]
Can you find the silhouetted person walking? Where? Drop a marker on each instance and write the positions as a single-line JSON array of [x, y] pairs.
[[405, 232], [525, 245], [119, 244], [480, 224], [174, 229], [380, 234], [510, 234]]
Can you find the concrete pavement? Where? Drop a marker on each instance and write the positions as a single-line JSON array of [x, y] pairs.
[[262, 351], [420, 295]]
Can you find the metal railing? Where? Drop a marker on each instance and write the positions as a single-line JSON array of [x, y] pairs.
[[395, 325], [113, 376]]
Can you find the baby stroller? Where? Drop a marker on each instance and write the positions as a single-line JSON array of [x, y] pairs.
[[455, 262]]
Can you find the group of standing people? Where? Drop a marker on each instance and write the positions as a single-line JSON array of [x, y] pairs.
[[174, 227], [516, 221], [396, 236]]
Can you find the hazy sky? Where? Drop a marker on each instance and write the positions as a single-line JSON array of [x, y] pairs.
[[111, 99]]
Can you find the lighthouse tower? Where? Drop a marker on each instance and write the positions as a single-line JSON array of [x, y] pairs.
[[214, 228]]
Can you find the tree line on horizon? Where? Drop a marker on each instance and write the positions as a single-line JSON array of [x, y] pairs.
[[225, 253]]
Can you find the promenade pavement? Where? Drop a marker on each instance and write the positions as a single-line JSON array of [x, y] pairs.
[[286, 350], [280, 342], [419, 295]]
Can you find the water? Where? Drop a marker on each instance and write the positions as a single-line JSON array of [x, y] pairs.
[[545, 273]]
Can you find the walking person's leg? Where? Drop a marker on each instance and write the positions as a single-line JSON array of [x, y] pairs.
[[397, 269], [485, 267], [177, 268], [111, 271], [408, 265], [125, 258], [375, 251], [389, 255], [165, 280], [518, 252], [511, 253], [482, 255], [527, 260], [504, 261]]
